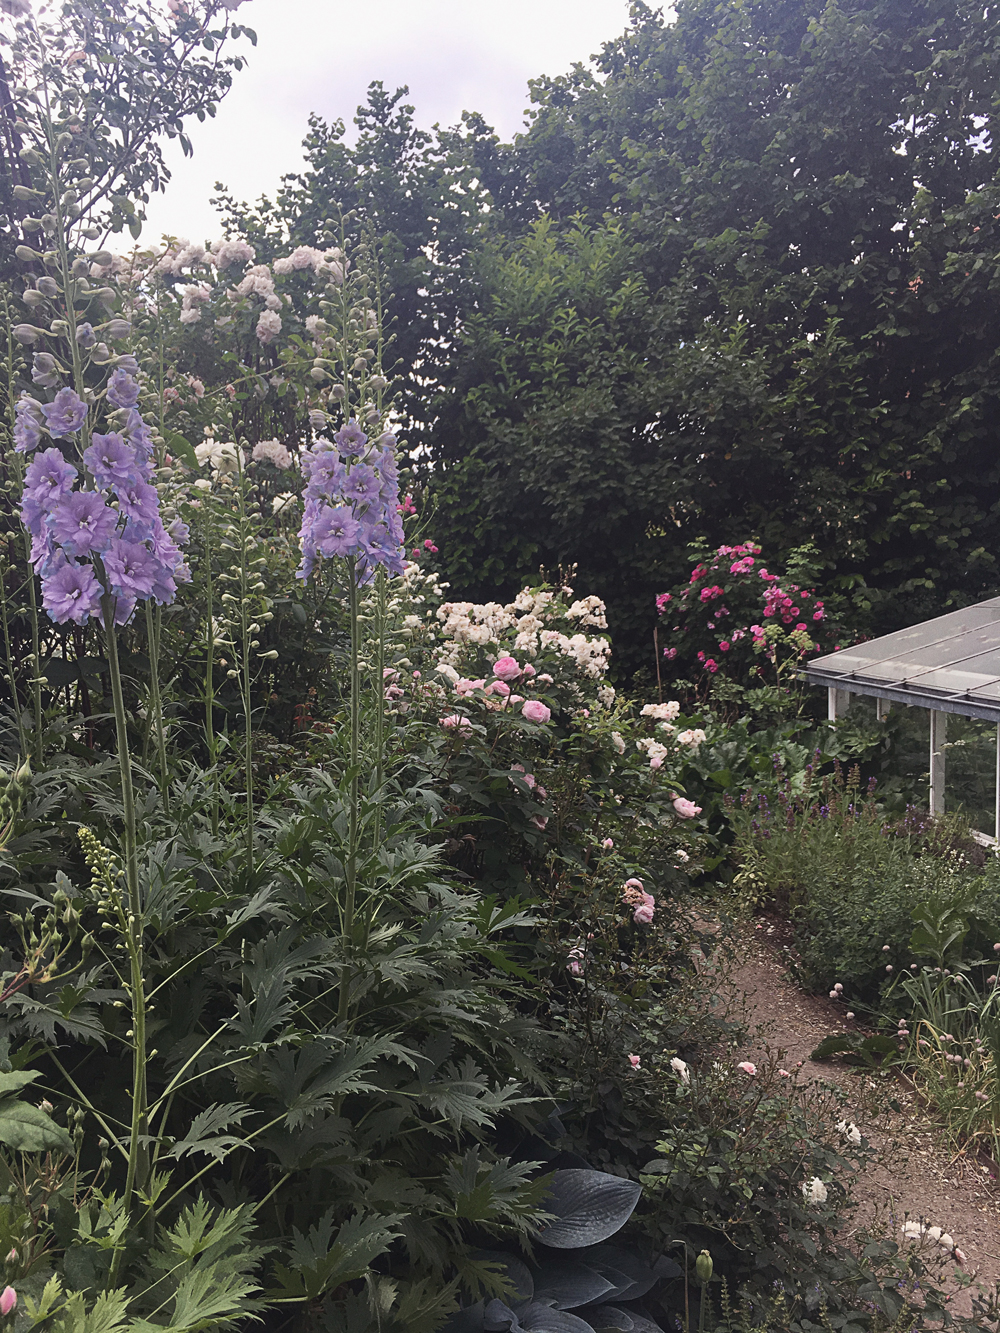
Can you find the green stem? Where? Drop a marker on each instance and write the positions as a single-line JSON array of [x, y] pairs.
[[137, 1175], [210, 673], [351, 868], [153, 625]]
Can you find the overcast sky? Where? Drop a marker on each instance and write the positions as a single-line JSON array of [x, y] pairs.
[[320, 55]]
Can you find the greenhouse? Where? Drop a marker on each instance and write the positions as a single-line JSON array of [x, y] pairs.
[[950, 664]]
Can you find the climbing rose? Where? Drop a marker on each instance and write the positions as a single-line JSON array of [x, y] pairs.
[[686, 809], [747, 1067]]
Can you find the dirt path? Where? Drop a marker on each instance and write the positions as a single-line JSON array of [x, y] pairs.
[[916, 1175]]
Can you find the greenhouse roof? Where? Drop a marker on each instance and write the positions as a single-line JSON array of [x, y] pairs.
[[951, 664]]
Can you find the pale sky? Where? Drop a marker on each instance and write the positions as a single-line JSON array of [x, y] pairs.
[[320, 55]]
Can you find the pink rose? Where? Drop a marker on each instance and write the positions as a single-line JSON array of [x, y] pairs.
[[8, 1299], [527, 778], [747, 1067], [686, 809], [643, 914], [498, 687], [456, 722], [516, 699], [607, 844], [465, 687], [633, 1060], [539, 821], [533, 710], [506, 668], [783, 1073], [527, 670]]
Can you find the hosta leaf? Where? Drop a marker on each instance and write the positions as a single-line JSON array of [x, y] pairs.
[[589, 1206], [28, 1128], [569, 1283], [537, 1318], [632, 1276], [500, 1318], [613, 1319]]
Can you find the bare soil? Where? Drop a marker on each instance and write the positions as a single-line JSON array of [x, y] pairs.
[[917, 1175]]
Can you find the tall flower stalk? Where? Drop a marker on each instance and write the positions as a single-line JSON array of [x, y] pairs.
[[351, 515], [98, 541]]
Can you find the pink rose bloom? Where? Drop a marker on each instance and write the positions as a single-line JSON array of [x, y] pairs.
[[574, 967], [527, 670], [456, 722], [465, 687], [783, 1073], [747, 1067], [506, 668], [607, 844], [8, 1299], [534, 710], [516, 699], [725, 645], [546, 678], [633, 1060], [539, 821], [643, 914], [527, 778], [498, 687], [656, 761], [686, 809], [633, 892]]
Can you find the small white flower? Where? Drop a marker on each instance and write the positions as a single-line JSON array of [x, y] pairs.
[[814, 1191], [850, 1132], [680, 1069]]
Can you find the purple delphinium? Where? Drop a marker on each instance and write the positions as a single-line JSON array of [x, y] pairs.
[[65, 414], [140, 504], [353, 510], [131, 567], [27, 424], [82, 523], [350, 439], [123, 390], [71, 592], [116, 518], [110, 459]]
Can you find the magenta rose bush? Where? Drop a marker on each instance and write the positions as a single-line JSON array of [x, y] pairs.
[[737, 619]]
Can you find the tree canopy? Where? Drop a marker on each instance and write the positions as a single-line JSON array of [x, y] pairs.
[[737, 281]]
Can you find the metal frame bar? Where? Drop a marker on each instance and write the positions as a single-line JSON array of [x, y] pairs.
[[942, 703], [939, 761]]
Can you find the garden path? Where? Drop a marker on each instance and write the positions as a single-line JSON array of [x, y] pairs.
[[917, 1174]]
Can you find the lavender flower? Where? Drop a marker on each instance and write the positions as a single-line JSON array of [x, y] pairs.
[[27, 424], [351, 439], [45, 370], [123, 390], [110, 459], [71, 592], [140, 558], [85, 335], [82, 523], [132, 568], [65, 414]]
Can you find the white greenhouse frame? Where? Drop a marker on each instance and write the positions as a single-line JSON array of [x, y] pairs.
[[947, 665]]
